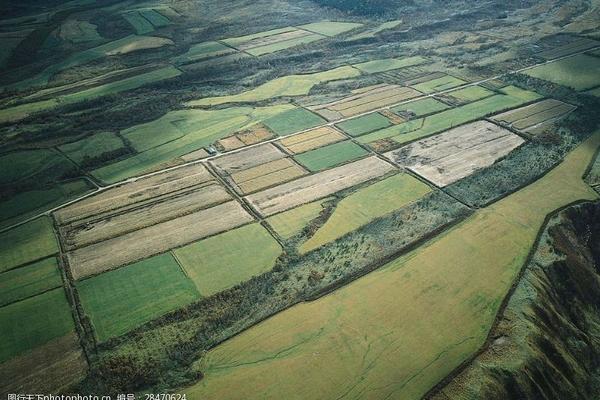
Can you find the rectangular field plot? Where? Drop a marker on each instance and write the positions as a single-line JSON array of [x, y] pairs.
[[388, 64], [272, 41], [457, 153], [32, 322], [439, 84], [29, 280], [330, 156], [292, 121], [311, 140], [364, 124], [535, 117], [579, 72], [317, 186], [247, 158], [466, 95], [569, 45], [290, 223], [365, 205], [362, 101], [124, 299], [146, 20], [223, 261], [26, 243], [255, 134], [203, 51], [330, 28], [420, 108], [154, 239]]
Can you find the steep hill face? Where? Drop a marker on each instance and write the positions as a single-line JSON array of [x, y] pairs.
[[547, 342]]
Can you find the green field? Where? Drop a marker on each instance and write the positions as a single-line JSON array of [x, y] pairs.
[[123, 299], [26, 243], [31, 164], [286, 44], [365, 205], [387, 64], [291, 85], [422, 107], [365, 124], [181, 132], [371, 335], [471, 93], [20, 283], [92, 146], [292, 121], [223, 261], [579, 72], [444, 120], [330, 28], [201, 51], [439, 84], [26, 204], [290, 223], [138, 22], [32, 322], [330, 156], [370, 33]]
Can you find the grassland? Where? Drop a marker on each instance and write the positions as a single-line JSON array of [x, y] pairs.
[[223, 261], [423, 107], [202, 51], [579, 72], [291, 85], [30, 280], [183, 131], [365, 205], [27, 164], [439, 84], [365, 124], [347, 332], [92, 146], [471, 93], [28, 203], [119, 300], [387, 64], [439, 122], [32, 322], [330, 28], [26, 243], [330, 155], [292, 121], [290, 223]]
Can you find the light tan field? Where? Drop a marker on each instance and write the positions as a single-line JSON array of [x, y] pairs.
[[535, 116], [263, 41], [91, 230], [49, 368], [457, 153], [135, 193], [365, 99], [265, 175], [155, 239], [255, 134], [393, 117], [142, 43], [194, 155], [319, 185], [247, 158], [230, 143], [311, 140]]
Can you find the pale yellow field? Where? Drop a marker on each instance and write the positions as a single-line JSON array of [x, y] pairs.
[[370, 339], [265, 175], [291, 222], [310, 140]]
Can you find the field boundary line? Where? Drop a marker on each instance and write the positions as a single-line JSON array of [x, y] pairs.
[[329, 123]]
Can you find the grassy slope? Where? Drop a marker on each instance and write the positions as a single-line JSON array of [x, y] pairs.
[[330, 156], [32, 322], [222, 261], [370, 336], [291, 85], [365, 205], [118, 301], [26, 243], [579, 72], [24, 282]]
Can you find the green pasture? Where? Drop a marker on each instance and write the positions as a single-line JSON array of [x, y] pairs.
[[422, 107], [439, 84], [579, 72], [290, 223], [330, 156], [387, 64], [292, 121], [365, 124], [27, 281], [28, 242]]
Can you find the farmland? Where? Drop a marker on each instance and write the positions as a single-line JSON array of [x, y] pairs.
[[365, 205], [331, 155], [469, 306], [456, 153], [121, 292], [323, 199], [222, 261]]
